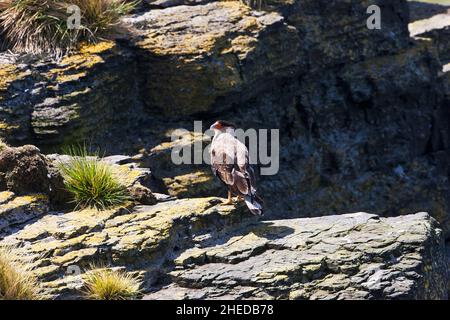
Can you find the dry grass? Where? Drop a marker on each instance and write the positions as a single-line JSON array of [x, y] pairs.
[[16, 280], [106, 284], [40, 26]]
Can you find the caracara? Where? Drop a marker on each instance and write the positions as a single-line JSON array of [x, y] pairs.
[[230, 163]]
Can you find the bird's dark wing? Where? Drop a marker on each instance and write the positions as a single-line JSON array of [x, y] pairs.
[[223, 172]]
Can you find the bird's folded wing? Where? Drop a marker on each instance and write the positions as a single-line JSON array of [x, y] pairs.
[[240, 182]]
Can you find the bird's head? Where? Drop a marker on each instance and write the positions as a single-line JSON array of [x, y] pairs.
[[221, 126]]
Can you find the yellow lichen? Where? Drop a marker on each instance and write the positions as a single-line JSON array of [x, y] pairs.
[[127, 175], [18, 202], [74, 67], [8, 74], [6, 196]]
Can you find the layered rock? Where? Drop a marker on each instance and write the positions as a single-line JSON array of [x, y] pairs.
[[352, 256], [200, 248], [195, 56], [362, 113], [57, 103], [17, 210], [138, 238], [362, 122]]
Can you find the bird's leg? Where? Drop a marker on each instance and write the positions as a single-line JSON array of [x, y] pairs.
[[229, 200], [239, 198]]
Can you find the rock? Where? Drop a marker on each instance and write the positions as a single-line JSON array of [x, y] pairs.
[[17, 210], [419, 10], [195, 56], [182, 181], [352, 256], [362, 114], [335, 32], [58, 103], [198, 248], [356, 132], [172, 3], [25, 170], [435, 29], [118, 159], [447, 246], [142, 194], [139, 238]]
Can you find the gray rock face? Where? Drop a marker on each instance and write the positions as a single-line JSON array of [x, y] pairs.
[[202, 249], [141, 239], [352, 256], [58, 103], [363, 114], [223, 51]]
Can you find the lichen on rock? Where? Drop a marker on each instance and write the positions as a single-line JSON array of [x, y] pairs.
[[352, 256]]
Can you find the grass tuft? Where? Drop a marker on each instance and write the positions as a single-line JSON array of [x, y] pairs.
[[16, 280], [107, 284], [92, 182], [40, 26]]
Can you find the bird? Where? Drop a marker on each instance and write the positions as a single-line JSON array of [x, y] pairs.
[[230, 163]]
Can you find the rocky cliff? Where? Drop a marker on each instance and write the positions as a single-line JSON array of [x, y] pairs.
[[363, 118], [199, 248], [362, 113]]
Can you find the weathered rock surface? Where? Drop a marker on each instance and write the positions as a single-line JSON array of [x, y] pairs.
[[363, 124], [199, 248], [363, 114], [352, 256], [25, 170], [195, 55], [139, 238], [17, 210], [58, 103]]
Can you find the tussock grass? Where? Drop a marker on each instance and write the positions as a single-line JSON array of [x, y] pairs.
[[93, 183], [40, 26], [16, 280], [105, 284]]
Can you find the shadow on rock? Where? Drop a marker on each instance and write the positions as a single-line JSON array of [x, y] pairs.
[[419, 10]]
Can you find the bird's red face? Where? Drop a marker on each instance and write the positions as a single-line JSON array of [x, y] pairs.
[[221, 125], [217, 125]]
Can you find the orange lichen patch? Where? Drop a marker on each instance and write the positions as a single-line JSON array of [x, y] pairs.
[[6, 74], [242, 44], [188, 44]]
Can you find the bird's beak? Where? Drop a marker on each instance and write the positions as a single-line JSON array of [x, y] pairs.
[[213, 126]]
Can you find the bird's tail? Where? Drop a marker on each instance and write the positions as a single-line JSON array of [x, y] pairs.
[[254, 204]]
